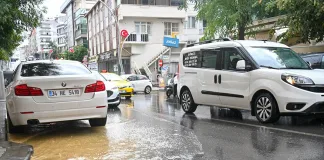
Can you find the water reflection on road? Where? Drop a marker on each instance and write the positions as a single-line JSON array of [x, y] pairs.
[[154, 127]]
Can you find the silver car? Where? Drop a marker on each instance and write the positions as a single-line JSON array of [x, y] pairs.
[[112, 91]]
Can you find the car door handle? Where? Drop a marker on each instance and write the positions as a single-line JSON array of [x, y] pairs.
[[215, 78], [220, 79]]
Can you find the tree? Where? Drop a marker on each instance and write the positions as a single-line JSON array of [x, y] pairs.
[[230, 17], [304, 19], [54, 47], [17, 16], [78, 55]]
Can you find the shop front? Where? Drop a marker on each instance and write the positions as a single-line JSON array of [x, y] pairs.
[[107, 61]]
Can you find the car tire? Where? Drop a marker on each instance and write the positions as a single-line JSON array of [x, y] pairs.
[[187, 103], [98, 122], [266, 108], [14, 129], [168, 93], [147, 90]]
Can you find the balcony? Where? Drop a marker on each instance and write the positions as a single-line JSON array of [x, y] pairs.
[[137, 38], [82, 33], [151, 11], [45, 35]]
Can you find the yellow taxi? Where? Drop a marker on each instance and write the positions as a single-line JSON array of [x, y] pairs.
[[125, 88]]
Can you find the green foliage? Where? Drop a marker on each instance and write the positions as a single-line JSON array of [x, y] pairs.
[[304, 18], [78, 55], [229, 18], [54, 47], [17, 16]]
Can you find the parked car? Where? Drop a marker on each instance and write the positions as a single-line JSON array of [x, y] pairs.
[[112, 91], [51, 91], [316, 60], [7, 77], [140, 83], [267, 78], [125, 88]]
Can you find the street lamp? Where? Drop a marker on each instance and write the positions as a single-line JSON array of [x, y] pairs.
[[118, 34]]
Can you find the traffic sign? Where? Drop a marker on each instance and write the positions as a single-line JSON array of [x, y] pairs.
[[124, 33], [160, 62]]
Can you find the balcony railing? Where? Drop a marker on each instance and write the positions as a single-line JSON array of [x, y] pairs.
[[81, 32], [138, 38]]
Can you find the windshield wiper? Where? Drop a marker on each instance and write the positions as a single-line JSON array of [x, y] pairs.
[[268, 67]]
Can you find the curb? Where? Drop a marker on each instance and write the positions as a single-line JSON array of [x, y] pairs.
[[15, 151]]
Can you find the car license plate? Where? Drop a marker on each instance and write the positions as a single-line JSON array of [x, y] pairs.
[[64, 93], [122, 91]]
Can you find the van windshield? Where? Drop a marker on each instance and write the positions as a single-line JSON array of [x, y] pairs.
[[277, 58]]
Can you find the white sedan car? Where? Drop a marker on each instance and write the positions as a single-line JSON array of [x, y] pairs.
[[140, 83], [112, 91], [52, 91]]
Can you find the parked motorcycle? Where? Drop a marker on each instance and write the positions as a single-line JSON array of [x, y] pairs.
[[171, 88]]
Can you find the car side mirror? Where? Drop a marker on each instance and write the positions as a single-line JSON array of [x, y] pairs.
[[240, 65]]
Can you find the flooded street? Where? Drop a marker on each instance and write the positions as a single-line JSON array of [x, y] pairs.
[[153, 127]]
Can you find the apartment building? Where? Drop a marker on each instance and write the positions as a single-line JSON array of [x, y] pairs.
[[147, 22], [76, 24], [45, 34]]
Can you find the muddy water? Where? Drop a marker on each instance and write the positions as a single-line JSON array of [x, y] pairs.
[[68, 142], [128, 134]]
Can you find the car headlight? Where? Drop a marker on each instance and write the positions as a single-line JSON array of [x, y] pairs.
[[296, 80]]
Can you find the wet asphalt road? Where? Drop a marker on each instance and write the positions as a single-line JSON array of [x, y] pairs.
[[154, 127]]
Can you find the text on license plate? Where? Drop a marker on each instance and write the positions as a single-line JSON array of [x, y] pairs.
[[64, 93]]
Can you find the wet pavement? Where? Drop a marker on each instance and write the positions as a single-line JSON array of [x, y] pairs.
[[154, 127]]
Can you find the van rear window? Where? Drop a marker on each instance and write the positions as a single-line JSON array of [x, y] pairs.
[[53, 69], [192, 59]]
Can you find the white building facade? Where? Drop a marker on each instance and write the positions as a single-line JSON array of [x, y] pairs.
[[73, 29], [45, 34], [147, 22]]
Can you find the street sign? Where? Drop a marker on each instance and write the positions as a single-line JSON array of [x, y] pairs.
[[124, 33], [171, 42], [160, 62], [165, 57]]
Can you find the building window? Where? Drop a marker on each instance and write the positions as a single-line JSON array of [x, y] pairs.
[[143, 27], [191, 22], [170, 27]]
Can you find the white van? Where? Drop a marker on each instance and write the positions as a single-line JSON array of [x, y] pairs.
[[265, 77]]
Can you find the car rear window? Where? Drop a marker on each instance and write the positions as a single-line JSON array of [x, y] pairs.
[[53, 69]]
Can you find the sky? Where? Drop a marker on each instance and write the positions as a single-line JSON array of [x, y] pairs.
[[53, 9]]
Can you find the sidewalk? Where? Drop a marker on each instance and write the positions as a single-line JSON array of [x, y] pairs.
[[10, 150]]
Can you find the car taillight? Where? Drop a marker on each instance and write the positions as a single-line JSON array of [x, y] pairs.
[[95, 87], [24, 90]]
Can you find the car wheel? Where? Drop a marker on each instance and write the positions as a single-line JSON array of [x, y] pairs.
[[98, 122], [147, 90], [168, 93], [14, 129], [187, 103], [266, 108]]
